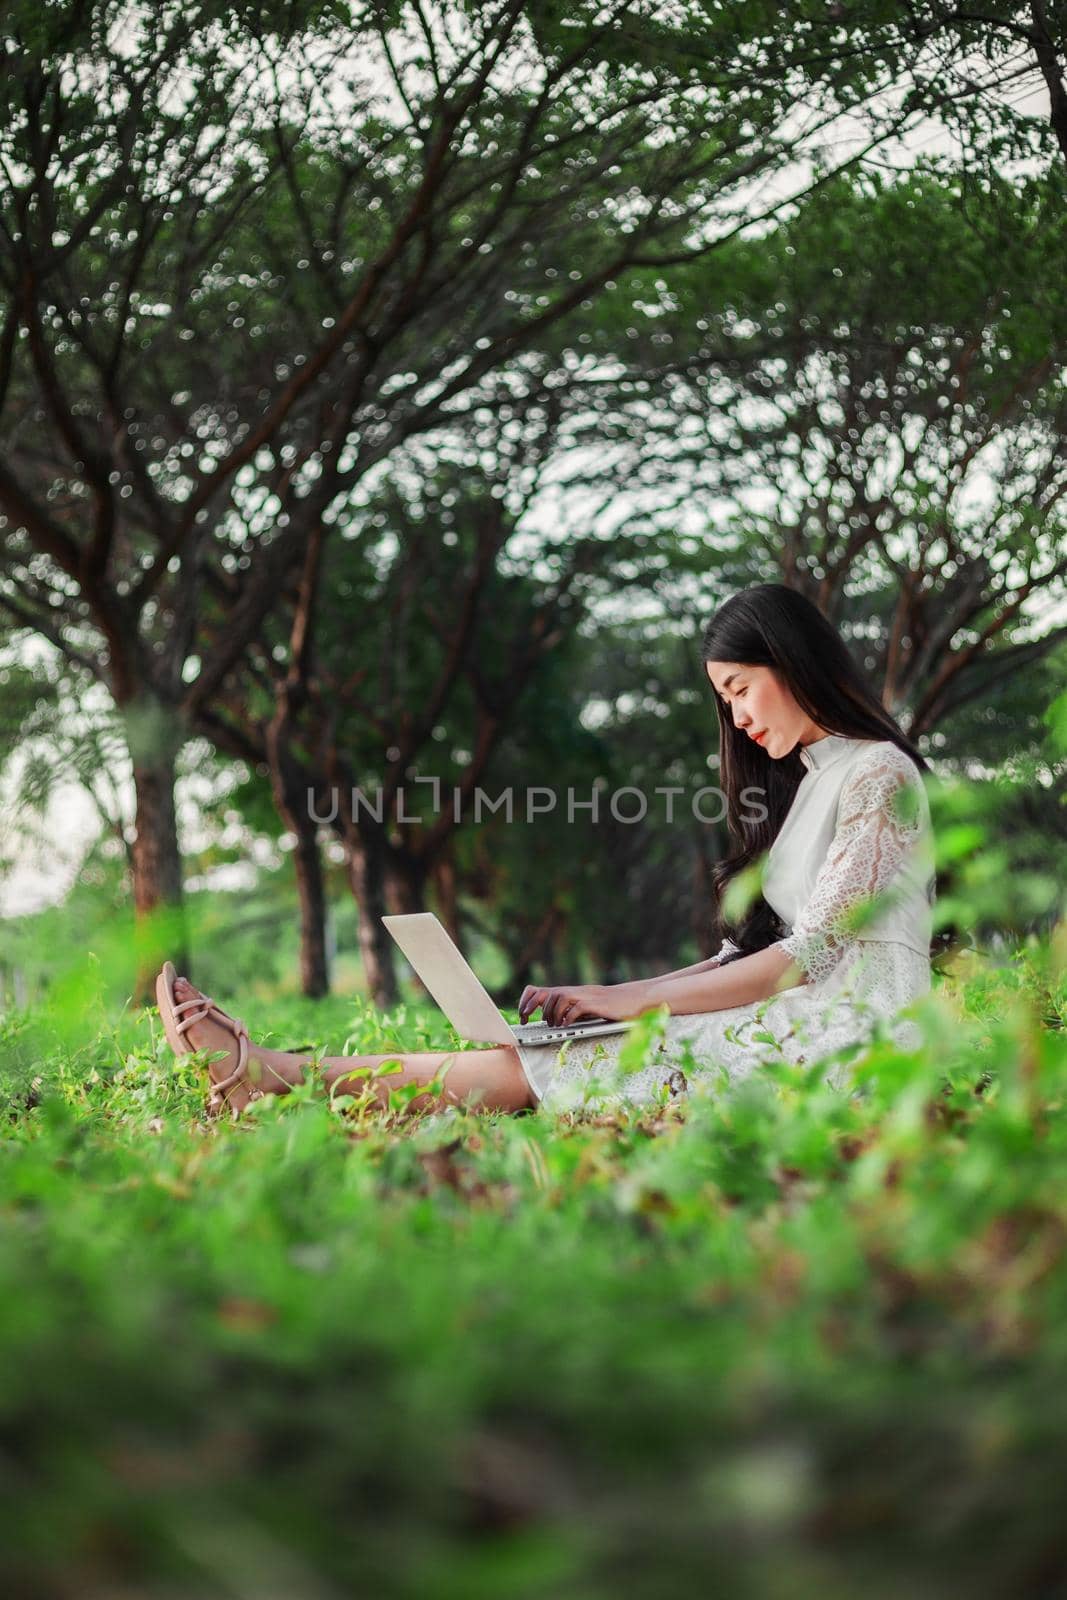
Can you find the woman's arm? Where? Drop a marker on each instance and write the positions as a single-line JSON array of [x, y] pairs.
[[583, 1000], [755, 977], [727, 948]]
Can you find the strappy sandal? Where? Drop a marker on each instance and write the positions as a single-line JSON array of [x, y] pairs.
[[178, 1016]]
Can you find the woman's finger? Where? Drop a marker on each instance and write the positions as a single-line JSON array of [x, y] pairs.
[[563, 1001], [532, 998], [557, 1001]]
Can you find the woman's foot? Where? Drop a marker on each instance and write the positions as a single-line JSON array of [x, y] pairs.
[[245, 1072]]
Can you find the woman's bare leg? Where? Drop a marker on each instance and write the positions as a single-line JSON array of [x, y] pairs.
[[489, 1080], [485, 1080]]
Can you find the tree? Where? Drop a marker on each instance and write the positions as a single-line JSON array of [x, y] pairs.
[[889, 431], [455, 637], [249, 251], [1005, 31]]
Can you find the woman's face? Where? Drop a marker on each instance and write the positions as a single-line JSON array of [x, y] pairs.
[[760, 704]]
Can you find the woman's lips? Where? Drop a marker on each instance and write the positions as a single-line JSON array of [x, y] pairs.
[[759, 737]]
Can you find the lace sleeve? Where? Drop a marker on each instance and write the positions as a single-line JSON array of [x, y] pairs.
[[727, 948], [880, 819]]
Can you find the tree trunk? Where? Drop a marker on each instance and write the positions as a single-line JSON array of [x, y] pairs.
[[405, 888], [314, 964], [444, 882], [291, 789], [157, 872], [366, 875]]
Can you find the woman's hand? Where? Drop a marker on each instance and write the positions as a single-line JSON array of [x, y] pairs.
[[575, 1002]]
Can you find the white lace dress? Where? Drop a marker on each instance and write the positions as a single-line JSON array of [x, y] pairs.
[[851, 874]]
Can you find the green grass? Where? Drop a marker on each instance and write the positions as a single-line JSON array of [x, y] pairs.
[[782, 1342]]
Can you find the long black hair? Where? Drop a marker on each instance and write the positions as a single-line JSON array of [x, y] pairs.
[[771, 625]]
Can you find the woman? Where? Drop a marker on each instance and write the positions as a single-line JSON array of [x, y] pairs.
[[818, 778]]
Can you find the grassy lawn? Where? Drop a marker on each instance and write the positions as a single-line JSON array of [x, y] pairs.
[[778, 1341]]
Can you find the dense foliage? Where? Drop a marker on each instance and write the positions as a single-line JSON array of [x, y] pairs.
[[782, 1339]]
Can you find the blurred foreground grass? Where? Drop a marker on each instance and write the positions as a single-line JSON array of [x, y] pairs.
[[780, 1342]]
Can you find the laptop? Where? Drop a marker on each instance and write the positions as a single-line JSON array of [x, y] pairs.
[[464, 1001]]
